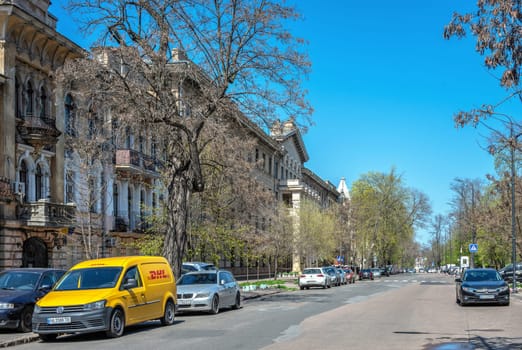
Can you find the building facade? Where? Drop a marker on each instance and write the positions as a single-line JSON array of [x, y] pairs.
[[45, 214], [33, 213]]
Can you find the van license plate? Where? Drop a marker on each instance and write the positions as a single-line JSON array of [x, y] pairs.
[[58, 320]]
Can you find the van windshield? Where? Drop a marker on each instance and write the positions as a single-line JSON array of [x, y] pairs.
[[90, 278]]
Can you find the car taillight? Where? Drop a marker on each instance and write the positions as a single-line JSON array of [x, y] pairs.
[[302, 276], [320, 275]]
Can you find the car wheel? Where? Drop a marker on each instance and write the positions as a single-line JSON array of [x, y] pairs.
[[215, 305], [169, 314], [237, 304], [48, 337], [26, 319], [116, 325]]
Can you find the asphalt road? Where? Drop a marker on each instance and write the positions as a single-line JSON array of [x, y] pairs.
[[397, 312]]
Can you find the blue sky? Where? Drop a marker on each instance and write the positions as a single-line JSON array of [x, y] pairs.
[[384, 87]]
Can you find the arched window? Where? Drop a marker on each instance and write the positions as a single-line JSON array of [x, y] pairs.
[[43, 103], [69, 116], [39, 183], [23, 178], [17, 98], [29, 99]]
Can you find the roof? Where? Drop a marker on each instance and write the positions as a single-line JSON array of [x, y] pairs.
[[120, 261]]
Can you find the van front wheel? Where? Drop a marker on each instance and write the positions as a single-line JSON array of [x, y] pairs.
[[168, 316], [117, 324]]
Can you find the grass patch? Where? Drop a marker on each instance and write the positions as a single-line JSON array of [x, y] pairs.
[[265, 282], [279, 284]]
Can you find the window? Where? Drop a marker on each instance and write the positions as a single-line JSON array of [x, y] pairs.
[[17, 98], [69, 186], [29, 99], [132, 273], [92, 195], [69, 116], [39, 183], [115, 199], [43, 103], [24, 178]]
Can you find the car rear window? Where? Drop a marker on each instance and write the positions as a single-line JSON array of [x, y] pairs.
[[312, 271]]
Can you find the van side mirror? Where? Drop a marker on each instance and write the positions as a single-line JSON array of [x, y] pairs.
[[222, 282], [130, 283]]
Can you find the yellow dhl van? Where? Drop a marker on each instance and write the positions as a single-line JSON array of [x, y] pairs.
[[106, 295]]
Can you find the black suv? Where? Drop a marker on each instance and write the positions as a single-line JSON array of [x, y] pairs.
[[507, 272]]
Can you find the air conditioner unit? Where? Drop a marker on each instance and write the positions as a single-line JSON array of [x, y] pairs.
[[19, 187], [110, 242]]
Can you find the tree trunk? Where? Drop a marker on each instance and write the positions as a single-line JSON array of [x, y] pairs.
[[175, 244]]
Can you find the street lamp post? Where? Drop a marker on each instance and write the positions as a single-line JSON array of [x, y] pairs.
[[513, 213]]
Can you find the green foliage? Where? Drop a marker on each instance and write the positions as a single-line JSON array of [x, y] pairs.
[[385, 213], [150, 244]]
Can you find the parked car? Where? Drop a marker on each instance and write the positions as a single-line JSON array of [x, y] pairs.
[[366, 274], [19, 291], [191, 266], [481, 285], [334, 275], [342, 275], [507, 272], [314, 277], [107, 295], [350, 275], [376, 272], [208, 291]]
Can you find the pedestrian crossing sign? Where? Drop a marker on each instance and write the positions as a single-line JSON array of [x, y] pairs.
[[473, 247]]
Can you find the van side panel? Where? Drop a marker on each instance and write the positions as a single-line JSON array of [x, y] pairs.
[[159, 282]]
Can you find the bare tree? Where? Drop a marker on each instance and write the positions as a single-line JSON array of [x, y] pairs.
[[88, 158], [183, 66], [496, 26]]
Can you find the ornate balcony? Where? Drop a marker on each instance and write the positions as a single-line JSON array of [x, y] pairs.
[[38, 131], [46, 214], [136, 162]]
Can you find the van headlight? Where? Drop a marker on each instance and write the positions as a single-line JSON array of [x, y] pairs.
[[37, 308], [97, 305], [6, 306]]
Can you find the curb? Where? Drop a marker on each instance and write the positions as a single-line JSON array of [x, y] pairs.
[[29, 338], [254, 295]]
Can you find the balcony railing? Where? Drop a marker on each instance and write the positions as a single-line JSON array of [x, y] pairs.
[[131, 159], [45, 213]]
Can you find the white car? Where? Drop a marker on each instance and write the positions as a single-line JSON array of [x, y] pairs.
[[314, 277]]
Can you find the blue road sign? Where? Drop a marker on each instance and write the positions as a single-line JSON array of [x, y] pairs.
[[473, 247]]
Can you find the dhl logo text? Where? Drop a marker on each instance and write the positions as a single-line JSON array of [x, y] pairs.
[[157, 274]]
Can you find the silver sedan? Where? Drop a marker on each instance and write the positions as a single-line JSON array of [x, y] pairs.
[[208, 291]]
